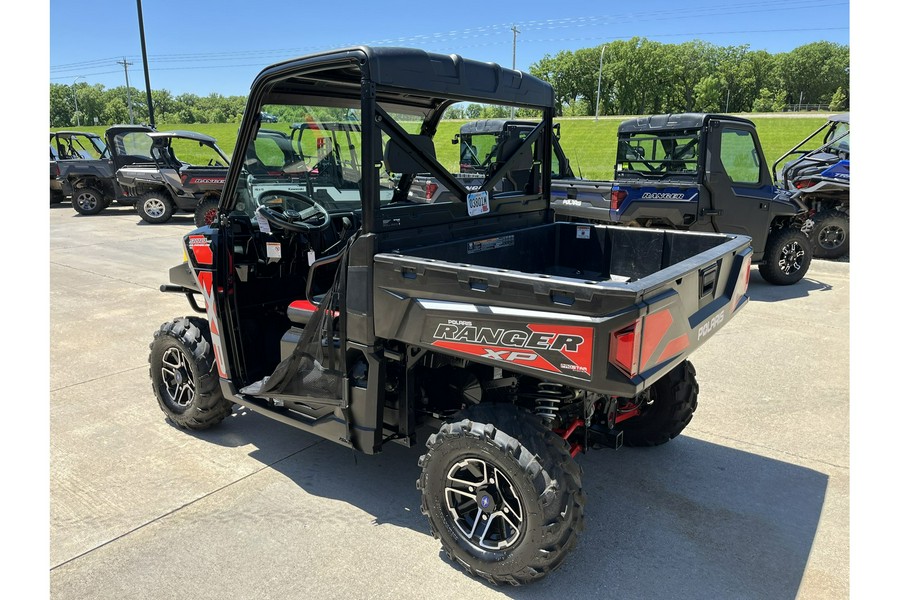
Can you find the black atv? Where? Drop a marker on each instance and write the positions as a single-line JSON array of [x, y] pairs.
[[820, 179], [81, 169], [163, 184]]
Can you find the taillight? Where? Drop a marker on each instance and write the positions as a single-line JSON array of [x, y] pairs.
[[55, 170], [430, 189], [624, 347], [803, 184], [184, 178], [616, 198], [743, 283]]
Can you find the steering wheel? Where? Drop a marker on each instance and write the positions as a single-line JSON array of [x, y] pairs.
[[290, 219]]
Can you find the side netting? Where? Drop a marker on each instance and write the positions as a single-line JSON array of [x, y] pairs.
[[313, 370]]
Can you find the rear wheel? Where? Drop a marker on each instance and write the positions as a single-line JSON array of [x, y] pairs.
[[155, 207], [666, 408], [88, 201], [787, 257], [830, 234], [183, 374], [206, 212], [502, 493]]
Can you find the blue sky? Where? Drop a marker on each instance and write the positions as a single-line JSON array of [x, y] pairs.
[[204, 46]]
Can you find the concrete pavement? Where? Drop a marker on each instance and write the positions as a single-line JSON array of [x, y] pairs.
[[752, 501]]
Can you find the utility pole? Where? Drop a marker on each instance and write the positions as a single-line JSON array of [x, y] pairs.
[[146, 67], [512, 111], [127, 64], [599, 79], [75, 95], [515, 33]]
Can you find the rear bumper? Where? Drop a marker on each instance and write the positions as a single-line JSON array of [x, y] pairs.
[[61, 186]]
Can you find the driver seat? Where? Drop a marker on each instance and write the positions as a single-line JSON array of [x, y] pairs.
[[300, 311]]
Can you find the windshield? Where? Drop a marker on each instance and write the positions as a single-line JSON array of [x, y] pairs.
[[312, 151], [79, 146], [669, 153], [838, 138], [133, 144], [191, 152]]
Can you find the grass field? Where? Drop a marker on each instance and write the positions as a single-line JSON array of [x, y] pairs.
[[590, 145]]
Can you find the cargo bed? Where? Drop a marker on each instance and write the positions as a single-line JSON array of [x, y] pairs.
[[581, 281]]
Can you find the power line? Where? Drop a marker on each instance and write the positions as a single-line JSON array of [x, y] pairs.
[[491, 31]]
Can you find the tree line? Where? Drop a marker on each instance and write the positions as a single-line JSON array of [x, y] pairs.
[[639, 76], [107, 106]]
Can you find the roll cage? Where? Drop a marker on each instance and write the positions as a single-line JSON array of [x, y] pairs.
[[415, 83]]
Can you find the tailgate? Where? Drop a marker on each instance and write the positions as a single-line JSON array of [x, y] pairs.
[[581, 200], [615, 337]]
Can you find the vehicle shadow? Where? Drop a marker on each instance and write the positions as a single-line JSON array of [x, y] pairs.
[[689, 519], [110, 211], [179, 219], [762, 291]]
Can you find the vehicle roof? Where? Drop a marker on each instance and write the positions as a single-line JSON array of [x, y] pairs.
[[179, 133], [273, 133], [406, 77], [675, 121], [327, 126], [841, 118], [71, 133], [490, 125], [115, 129]]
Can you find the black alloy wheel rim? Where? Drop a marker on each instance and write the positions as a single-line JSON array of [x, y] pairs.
[[484, 505], [178, 382], [792, 257], [87, 200], [831, 237]]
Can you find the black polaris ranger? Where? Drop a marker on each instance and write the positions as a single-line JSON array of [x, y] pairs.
[[163, 183], [345, 308], [696, 172]]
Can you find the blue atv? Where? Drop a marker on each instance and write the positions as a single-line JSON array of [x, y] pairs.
[[820, 180]]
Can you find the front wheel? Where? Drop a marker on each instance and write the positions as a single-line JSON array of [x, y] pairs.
[[502, 493], [787, 257], [206, 212], [88, 201], [183, 374], [155, 207], [830, 234]]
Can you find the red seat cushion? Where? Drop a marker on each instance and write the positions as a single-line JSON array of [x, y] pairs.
[[300, 311]]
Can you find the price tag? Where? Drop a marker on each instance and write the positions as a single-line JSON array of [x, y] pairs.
[[263, 223]]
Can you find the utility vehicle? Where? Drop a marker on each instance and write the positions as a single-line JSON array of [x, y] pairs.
[[161, 184], [479, 145], [696, 172], [83, 168], [819, 177], [506, 341]]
